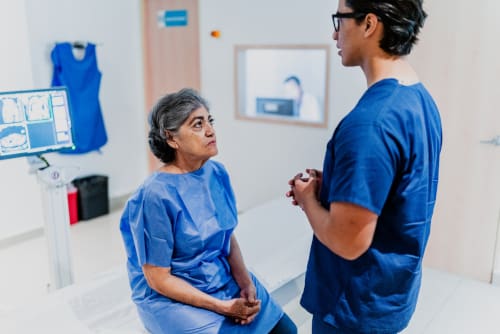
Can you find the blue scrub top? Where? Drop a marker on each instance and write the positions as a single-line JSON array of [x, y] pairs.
[[185, 222], [383, 156]]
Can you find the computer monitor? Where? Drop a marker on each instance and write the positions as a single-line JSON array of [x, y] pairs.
[[275, 106], [33, 122]]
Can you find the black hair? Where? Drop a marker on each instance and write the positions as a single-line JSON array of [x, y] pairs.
[[169, 113], [402, 21], [293, 78]]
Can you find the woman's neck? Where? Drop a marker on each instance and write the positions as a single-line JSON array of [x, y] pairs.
[[179, 166]]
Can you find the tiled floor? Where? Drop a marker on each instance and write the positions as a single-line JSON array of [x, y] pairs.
[[447, 303]]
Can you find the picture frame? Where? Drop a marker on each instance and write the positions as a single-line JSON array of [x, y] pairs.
[[282, 84]]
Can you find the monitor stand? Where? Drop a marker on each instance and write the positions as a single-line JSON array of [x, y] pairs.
[[53, 182]]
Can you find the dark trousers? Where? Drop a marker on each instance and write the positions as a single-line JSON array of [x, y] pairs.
[[321, 327], [284, 326]]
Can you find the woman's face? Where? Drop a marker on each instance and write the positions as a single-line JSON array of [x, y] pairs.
[[292, 90], [195, 139]]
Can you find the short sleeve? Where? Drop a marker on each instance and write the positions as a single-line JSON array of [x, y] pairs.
[[151, 229], [226, 182], [365, 162]]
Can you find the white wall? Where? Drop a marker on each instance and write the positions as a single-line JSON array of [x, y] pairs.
[[459, 65], [262, 157], [117, 32], [29, 30], [18, 189]]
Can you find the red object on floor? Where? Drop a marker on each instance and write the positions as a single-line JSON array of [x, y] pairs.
[[73, 204]]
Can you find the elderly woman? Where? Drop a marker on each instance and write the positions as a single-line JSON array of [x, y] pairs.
[[186, 270]]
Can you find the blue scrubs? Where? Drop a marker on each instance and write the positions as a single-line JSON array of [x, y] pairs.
[[185, 222], [383, 156]]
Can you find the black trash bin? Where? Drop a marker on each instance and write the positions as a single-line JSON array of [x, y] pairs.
[[93, 198]]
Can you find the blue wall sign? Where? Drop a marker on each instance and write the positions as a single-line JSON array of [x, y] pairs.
[[174, 18]]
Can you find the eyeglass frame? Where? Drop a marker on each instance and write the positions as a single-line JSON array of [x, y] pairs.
[[351, 15]]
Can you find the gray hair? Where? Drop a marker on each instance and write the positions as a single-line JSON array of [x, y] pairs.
[[169, 113]]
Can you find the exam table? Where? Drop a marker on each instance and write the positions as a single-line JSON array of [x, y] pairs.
[[274, 239]]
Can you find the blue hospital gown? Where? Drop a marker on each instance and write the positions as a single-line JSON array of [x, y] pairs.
[[185, 222]]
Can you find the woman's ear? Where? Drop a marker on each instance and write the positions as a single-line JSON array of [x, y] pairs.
[[171, 140]]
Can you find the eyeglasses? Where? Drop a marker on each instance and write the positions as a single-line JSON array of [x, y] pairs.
[[337, 16]]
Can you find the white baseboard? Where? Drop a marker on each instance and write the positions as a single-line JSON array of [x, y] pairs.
[[118, 202], [115, 203], [20, 237], [495, 278]]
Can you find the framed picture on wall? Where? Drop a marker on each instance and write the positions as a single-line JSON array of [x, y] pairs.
[[282, 83]]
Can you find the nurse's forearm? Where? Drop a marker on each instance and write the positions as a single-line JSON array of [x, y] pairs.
[[346, 229]]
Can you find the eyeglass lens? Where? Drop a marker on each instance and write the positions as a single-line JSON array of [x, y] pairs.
[[335, 23]]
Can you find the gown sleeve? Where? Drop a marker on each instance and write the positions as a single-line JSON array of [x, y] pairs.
[[152, 231]]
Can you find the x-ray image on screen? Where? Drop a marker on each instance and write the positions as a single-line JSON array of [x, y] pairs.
[[13, 138], [34, 122], [38, 108]]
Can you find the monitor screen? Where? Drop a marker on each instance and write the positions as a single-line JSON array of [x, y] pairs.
[[34, 122], [275, 106]]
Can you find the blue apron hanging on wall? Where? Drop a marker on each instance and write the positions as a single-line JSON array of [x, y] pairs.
[[82, 78]]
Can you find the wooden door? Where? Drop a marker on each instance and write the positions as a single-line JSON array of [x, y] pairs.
[[457, 59], [171, 53]]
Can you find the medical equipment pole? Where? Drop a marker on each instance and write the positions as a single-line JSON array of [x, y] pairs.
[[53, 181]]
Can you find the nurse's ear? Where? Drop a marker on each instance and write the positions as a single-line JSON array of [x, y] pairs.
[[372, 25], [171, 140]]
